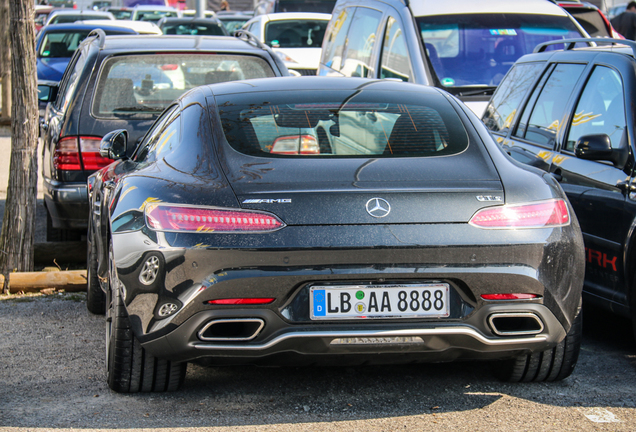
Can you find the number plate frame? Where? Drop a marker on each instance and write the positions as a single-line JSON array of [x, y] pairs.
[[333, 293]]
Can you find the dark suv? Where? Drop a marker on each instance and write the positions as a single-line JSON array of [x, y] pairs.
[[124, 82], [571, 113]]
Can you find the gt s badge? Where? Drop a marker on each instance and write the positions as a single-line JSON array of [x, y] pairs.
[[268, 201], [488, 198]]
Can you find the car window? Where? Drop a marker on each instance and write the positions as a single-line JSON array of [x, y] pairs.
[[360, 42], [547, 113], [297, 33], [70, 85], [148, 83], [395, 61], [601, 108], [341, 124], [154, 133], [502, 109], [255, 28], [478, 49], [193, 29], [61, 43], [337, 38]]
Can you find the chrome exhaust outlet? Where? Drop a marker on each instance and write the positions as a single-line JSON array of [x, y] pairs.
[[231, 330], [515, 323]]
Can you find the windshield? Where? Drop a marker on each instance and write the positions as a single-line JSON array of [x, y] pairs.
[[295, 33], [121, 14], [478, 49], [61, 44], [231, 25], [194, 29], [147, 84], [154, 15], [342, 124]]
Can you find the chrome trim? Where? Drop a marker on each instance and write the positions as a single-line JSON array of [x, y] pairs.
[[232, 320], [451, 331], [515, 315]]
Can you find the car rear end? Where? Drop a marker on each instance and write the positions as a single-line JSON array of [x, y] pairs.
[[370, 226]]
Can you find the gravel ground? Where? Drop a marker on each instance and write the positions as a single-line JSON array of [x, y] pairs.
[[52, 378]]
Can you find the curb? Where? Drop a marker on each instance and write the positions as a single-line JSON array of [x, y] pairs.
[[69, 281]]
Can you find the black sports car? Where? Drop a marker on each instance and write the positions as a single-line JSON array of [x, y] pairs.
[[329, 220]]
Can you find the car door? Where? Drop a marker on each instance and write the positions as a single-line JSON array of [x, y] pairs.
[[597, 188]]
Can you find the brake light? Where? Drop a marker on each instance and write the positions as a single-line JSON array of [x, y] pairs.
[[242, 301], [169, 67], [296, 144], [68, 153], [170, 217], [552, 213], [509, 296]]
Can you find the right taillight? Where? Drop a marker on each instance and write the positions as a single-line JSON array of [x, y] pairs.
[[185, 218], [544, 214]]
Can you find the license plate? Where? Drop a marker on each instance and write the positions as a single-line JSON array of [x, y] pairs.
[[378, 301]]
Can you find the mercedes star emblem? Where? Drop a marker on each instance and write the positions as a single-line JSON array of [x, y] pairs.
[[378, 207]]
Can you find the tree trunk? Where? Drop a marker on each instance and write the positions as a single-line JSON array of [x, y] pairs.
[[5, 59], [17, 237]]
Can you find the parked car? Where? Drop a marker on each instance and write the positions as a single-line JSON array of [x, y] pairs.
[[121, 13], [141, 27], [192, 13], [233, 21], [153, 13], [119, 81], [295, 37], [591, 18], [41, 14], [192, 26], [62, 16], [402, 233], [570, 113], [276, 6], [56, 43], [463, 46]]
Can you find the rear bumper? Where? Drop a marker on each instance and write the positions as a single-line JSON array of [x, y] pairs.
[[67, 203]]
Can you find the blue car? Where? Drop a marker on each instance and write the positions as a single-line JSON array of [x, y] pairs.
[[56, 44]]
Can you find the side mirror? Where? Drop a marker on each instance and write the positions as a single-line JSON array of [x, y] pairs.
[[114, 144], [47, 91], [598, 147]]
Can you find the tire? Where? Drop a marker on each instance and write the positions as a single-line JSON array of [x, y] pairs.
[[129, 367], [554, 364], [95, 296], [58, 234]]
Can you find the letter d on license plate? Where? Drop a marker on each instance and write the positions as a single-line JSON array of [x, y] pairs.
[[379, 301]]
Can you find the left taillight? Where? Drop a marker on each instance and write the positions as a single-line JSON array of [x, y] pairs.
[[67, 157], [543, 214], [181, 218]]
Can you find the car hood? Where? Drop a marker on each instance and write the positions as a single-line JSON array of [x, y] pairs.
[[346, 191], [52, 68]]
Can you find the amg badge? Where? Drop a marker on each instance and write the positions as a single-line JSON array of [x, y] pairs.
[[268, 201]]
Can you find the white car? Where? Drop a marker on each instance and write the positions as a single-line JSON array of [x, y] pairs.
[[295, 37], [63, 16], [141, 27]]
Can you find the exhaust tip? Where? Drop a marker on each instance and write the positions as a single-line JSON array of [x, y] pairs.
[[231, 330], [515, 324]]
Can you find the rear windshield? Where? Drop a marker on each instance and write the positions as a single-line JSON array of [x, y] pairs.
[[194, 29], [478, 49], [339, 124], [146, 84], [591, 20], [295, 33]]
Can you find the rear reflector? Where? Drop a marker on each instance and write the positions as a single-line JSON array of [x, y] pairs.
[[544, 214], [296, 144], [242, 301], [509, 296], [68, 153], [171, 217]]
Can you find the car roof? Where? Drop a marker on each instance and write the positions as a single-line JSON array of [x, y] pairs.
[[171, 43], [82, 25], [78, 12], [535, 7], [319, 83], [141, 27]]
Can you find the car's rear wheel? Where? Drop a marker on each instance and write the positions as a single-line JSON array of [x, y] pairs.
[[95, 297], [130, 368], [551, 365]]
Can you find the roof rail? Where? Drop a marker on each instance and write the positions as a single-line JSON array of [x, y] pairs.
[[100, 34], [570, 43], [250, 38]]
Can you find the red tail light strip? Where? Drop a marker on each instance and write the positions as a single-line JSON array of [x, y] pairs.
[[242, 301], [509, 296], [544, 214], [181, 218]]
